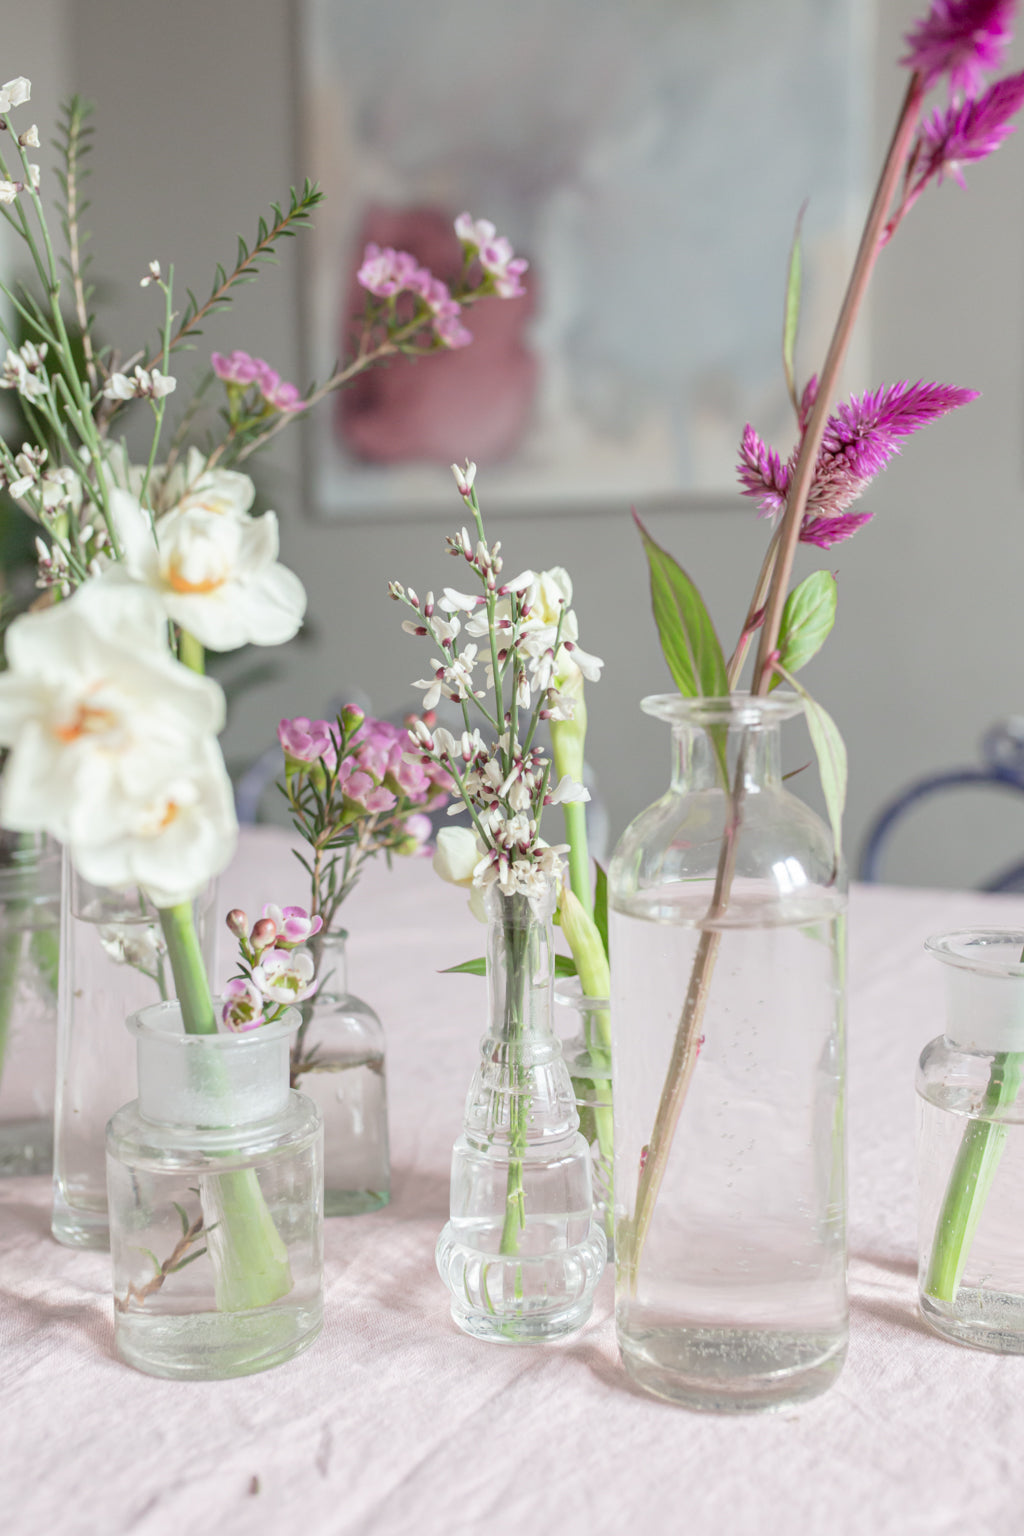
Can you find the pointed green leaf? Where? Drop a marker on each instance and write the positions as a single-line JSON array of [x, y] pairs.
[[791, 319], [687, 635], [564, 966], [807, 620], [182, 1217], [601, 904], [191, 1258], [830, 750]]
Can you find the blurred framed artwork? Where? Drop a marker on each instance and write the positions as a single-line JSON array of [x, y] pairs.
[[649, 159]]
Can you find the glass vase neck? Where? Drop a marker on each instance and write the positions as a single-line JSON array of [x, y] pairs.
[[712, 737], [520, 969], [984, 987], [329, 952]]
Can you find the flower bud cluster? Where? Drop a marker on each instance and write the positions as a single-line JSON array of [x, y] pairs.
[[255, 390], [23, 370], [144, 384], [276, 970]]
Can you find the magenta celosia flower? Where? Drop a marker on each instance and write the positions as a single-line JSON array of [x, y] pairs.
[[243, 1006], [960, 39], [966, 132], [859, 439], [307, 741]]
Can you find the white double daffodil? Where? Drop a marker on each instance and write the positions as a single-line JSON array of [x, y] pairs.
[[113, 744], [215, 571]]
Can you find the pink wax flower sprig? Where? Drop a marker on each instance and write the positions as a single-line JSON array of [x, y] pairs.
[[276, 971], [255, 391], [354, 792], [416, 311]]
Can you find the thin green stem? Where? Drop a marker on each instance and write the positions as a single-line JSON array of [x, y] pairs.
[[191, 652], [190, 980], [974, 1169]]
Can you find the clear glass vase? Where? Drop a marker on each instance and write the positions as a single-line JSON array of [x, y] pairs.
[[215, 1177], [29, 955], [338, 1060], [113, 962], [727, 944], [585, 1028], [970, 1146], [522, 1252]]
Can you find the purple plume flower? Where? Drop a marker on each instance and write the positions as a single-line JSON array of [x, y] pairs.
[[859, 439], [762, 473], [970, 131], [961, 39]]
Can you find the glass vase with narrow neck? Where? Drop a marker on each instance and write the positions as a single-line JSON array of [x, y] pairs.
[[338, 1060], [113, 962], [522, 1252], [29, 954], [215, 1179], [970, 1145], [727, 941]]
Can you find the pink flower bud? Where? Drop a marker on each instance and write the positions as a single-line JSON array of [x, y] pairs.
[[263, 933], [237, 922]]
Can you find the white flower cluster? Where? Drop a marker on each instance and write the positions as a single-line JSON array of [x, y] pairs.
[[523, 638], [144, 384], [23, 370], [14, 94]]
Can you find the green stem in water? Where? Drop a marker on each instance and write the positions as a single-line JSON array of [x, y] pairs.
[[250, 1261], [977, 1159], [191, 653], [517, 960]]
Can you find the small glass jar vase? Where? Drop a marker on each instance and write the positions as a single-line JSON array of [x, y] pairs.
[[338, 1060], [522, 1252], [215, 1178], [726, 906], [29, 956], [587, 1053], [970, 1146], [113, 962]]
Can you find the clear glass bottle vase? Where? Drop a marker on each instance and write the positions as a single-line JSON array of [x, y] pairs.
[[29, 955], [113, 962], [215, 1179], [522, 1252], [727, 944], [338, 1060], [970, 1146]]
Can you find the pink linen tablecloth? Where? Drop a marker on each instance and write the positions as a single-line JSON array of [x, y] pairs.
[[394, 1421]]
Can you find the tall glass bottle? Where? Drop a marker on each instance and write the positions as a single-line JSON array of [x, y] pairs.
[[338, 1060], [727, 944], [29, 951], [113, 962], [970, 1145], [522, 1252]]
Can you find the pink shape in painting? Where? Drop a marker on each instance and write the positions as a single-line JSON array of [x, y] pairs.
[[475, 400]]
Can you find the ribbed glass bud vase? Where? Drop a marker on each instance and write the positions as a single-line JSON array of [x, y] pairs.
[[522, 1252]]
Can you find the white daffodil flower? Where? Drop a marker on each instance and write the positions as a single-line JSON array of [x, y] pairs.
[[457, 853], [112, 742], [178, 840], [191, 487], [218, 577]]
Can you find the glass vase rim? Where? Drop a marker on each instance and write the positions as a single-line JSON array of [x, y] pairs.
[[568, 993], [144, 1024], [739, 708], [965, 949]]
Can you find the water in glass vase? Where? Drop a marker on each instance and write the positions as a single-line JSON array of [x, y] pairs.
[[985, 1308], [737, 1299], [351, 1094]]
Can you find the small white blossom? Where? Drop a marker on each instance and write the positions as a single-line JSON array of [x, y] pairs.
[[33, 174], [153, 275], [147, 383], [30, 138], [464, 478], [15, 93], [9, 191]]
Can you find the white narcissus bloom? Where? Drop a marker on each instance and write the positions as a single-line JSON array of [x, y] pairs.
[[191, 487], [113, 747], [457, 853], [218, 577]]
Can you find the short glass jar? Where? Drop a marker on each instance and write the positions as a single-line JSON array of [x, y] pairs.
[[215, 1180], [338, 1060], [970, 1145]]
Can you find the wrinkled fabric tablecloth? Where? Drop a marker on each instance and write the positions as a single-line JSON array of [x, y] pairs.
[[394, 1421]]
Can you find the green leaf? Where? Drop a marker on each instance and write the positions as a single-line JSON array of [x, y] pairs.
[[564, 966], [182, 1217], [830, 750], [687, 635], [601, 904], [189, 1260], [807, 620], [791, 319]]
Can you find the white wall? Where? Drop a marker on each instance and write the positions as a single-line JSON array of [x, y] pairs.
[[196, 134]]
